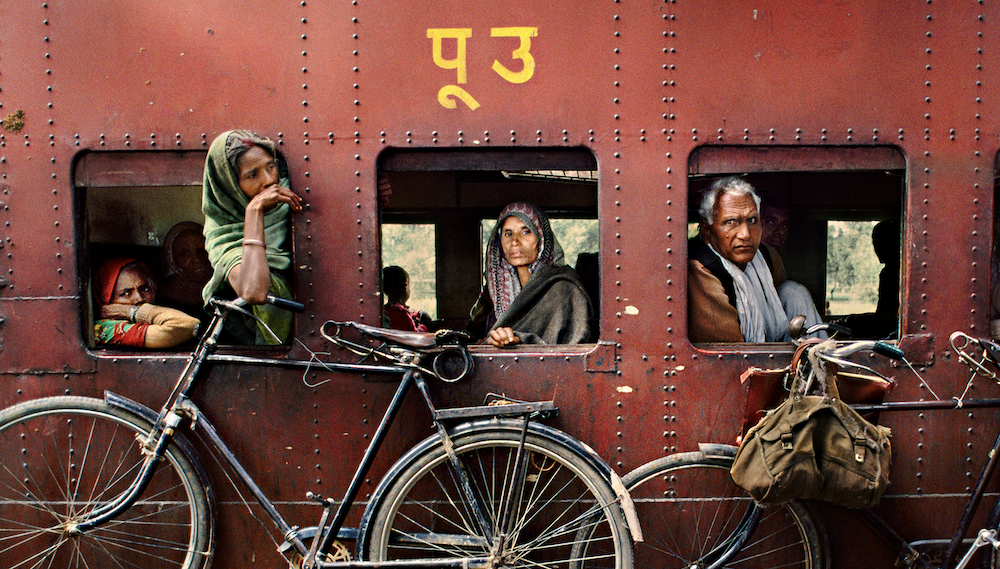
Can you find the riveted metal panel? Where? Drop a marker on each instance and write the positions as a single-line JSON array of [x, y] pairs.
[[641, 86]]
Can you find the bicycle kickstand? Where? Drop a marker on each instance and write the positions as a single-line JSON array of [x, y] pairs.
[[985, 537]]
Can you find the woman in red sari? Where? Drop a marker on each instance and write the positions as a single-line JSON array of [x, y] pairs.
[[125, 292]]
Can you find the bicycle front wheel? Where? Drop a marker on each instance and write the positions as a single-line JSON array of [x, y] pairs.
[[694, 515], [424, 513], [62, 457]]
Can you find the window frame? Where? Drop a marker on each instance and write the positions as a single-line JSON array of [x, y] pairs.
[[709, 162]]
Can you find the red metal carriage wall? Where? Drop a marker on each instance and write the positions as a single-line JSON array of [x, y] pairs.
[[641, 84]]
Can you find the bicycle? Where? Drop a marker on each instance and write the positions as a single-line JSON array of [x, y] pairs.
[[716, 524], [88, 482]]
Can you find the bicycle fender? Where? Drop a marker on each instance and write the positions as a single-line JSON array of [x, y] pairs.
[[718, 449], [131, 406], [628, 507]]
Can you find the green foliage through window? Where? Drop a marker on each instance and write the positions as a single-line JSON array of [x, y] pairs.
[[411, 246], [852, 268]]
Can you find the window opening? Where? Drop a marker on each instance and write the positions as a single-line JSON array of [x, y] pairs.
[[146, 206], [852, 268], [832, 198], [457, 196]]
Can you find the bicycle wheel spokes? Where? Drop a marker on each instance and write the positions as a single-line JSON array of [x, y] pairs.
[[64, 457], [693, 515], [420, 515]]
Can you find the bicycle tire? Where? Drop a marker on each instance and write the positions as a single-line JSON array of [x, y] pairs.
[[694, 515], [61, 457], [421, 513]]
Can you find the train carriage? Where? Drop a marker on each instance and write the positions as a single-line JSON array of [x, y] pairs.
[[609, 114]]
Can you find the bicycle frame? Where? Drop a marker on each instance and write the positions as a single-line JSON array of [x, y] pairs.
[[909, 554], [180, 407], [912, 556]]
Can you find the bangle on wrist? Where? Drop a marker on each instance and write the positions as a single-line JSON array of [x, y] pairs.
[[254, 242], [131, 315]]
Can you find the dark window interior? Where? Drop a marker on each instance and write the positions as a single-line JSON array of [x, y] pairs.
[[128, 202]]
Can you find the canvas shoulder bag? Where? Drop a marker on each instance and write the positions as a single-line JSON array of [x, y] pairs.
[[814, 447]]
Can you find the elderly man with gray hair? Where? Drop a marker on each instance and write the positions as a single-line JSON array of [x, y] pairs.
[[731, 278]]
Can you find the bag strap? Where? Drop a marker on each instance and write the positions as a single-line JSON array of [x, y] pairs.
[[801, 349], [797, 375], [828, 375]]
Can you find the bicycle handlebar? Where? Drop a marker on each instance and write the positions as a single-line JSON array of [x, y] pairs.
[[240, 303], [286, 304], [879, 347]]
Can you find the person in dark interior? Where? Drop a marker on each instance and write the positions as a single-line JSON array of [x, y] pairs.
[[396, 314], [127, 316], [531, 296], [731, 279]]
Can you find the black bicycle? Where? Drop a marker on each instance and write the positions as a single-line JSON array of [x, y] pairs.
[[109, 482]]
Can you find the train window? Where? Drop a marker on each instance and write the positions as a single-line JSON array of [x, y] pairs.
[[411, 245], [144, 206], [456, 196], [832, 215]]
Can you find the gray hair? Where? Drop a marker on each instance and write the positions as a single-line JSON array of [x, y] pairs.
[[731, 185]]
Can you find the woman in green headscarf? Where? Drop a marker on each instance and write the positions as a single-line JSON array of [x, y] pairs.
[[247, 201]]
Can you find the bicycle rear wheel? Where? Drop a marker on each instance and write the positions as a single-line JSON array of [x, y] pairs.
[[423, 513], [693, 515], [62, 457]]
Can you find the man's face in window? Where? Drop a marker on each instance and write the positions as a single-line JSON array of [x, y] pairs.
[[735, 232], [775, 225]]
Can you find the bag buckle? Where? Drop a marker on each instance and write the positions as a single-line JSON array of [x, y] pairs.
[[786, 441], [859, 449]]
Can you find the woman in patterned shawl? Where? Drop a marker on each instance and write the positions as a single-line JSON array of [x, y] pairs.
[[533, 297], [125, 292], [247, 201]]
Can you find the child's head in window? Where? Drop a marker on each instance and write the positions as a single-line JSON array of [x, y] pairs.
[[396, 284]]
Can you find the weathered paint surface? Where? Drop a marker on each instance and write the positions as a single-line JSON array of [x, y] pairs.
[[641, 84]]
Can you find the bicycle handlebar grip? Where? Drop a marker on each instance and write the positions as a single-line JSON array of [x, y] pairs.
[[888, 350], [286, 304], [992, 350]]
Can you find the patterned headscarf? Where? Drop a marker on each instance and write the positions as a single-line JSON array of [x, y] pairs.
[[224, 205], [501, 277]]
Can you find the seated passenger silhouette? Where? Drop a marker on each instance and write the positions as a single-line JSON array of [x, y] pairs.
[[884, 322], [795, 297], [188, 268], [396, 314]]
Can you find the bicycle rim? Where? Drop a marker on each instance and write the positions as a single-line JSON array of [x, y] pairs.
[[62, 457], [424, 514], [693, 515]]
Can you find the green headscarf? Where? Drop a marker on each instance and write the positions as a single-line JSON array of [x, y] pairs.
[[224, 205]]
